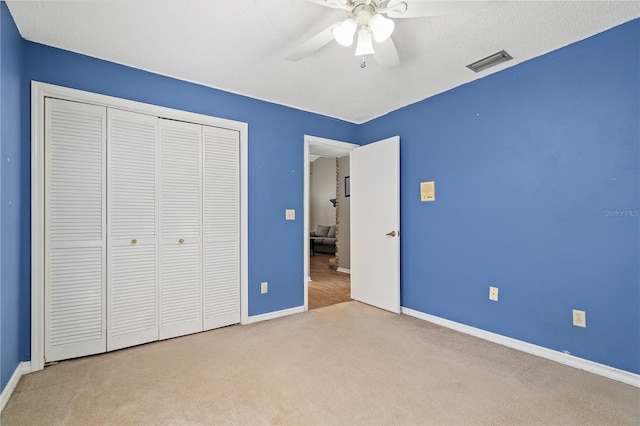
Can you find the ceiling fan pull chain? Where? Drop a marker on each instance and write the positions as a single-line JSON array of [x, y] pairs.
[[363, 64]]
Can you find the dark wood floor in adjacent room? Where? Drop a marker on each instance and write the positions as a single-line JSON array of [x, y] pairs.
[[328, 286]]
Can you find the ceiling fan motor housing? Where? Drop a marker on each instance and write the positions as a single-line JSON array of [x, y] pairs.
[[363, 12]]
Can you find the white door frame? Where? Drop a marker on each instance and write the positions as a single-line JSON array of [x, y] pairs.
[[307, 189], [38, 93]]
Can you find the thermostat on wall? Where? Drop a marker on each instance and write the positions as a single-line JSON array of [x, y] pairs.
[[428, 191]]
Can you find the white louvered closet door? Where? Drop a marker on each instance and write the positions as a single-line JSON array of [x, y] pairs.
[[75, 229], [180, 225], [132, 290], [221, 281]]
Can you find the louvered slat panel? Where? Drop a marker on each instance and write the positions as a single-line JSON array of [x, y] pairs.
[[75, 171], [75, 296], [222, 285], [132, 168], [75, 137], [132, 286], [132, 296], [180, 290], [222, 183], [180, 216], [221, 281], [180, 179]]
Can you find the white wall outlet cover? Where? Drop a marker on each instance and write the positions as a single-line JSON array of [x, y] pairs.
[[493, 293], [579, 318], [290, 214], [264, 287]]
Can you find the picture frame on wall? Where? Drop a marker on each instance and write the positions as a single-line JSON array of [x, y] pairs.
[[347, 186]]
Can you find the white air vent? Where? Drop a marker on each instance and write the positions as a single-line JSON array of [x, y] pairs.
[[490, 61]]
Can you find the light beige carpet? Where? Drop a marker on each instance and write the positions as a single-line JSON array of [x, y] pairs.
[[344, 364]]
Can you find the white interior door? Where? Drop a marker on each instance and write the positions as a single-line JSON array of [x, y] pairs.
[[132, 290], [180, 225], [75, 231], [375, 224]]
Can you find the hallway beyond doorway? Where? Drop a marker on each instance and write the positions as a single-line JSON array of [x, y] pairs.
[[328, 286]]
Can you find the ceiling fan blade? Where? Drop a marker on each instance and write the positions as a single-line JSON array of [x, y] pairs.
[[316, 42], [336, 4], [386, 54], [421, 8]]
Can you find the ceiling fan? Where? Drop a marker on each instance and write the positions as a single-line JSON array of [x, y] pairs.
[[372, 31]]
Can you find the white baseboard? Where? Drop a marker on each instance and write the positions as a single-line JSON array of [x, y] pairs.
[[23, 368], [345, 270], [561, 357], [275, 314]]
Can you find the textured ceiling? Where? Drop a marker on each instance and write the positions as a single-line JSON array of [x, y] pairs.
[[241, 45]]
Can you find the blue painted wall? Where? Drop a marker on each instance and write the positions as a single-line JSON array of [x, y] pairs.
[[537, 172], [11, 303]]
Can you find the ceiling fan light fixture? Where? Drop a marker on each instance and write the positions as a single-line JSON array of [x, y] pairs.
[[344, 32], [381, 27], [365, 42]]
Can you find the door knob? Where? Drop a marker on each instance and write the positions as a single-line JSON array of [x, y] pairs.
[[134, 241], [391, 234], [180, 241]]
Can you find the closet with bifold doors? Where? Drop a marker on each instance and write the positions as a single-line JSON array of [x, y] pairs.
[[142, 228]]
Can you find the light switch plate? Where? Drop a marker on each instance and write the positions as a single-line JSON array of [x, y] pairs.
[[290, 214]]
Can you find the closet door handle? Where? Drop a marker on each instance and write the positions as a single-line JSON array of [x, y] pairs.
[[134, 241], [180, 241]]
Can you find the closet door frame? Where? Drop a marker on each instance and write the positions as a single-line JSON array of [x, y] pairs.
[[39, 92]]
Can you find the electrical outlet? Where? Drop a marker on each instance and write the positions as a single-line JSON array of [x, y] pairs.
[[264, 287], [290, 214], [493, 293], [579, 318]]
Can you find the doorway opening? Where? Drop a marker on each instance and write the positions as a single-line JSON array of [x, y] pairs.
[[327, 222]]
